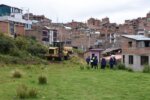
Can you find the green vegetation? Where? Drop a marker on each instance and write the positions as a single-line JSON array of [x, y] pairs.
[[21, 50], [67, 82], [146, 69], [24, 92], [121, 66], [17, 74], [22, 67], [42, 79]]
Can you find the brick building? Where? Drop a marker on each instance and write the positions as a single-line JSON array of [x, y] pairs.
[[43, 34], [5, 28], [12, 22], [135, 51], [40, 19], [93, 23]]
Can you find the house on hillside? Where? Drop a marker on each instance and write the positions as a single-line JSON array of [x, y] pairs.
[[43, 34], [12, 22], [49, 35], [135, 51]]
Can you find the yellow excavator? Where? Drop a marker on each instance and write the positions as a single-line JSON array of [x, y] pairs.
[[59, 52]]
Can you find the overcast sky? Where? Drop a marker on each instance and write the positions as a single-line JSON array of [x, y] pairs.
[[81, 10]]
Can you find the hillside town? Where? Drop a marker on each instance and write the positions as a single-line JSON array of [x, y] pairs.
[[130, 41], [74, 49]]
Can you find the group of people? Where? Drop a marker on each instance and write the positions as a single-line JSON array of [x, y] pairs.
[[93, 61]]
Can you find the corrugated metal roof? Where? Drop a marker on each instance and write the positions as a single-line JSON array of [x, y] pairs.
[[137, 37], [110, 50]]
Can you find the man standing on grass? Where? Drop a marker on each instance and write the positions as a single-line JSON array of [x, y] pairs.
[[95, 62], [103, 63], [92, 60], [111, 62], [88, 60]]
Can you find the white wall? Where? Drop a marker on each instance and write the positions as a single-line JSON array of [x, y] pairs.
[[136, 66]]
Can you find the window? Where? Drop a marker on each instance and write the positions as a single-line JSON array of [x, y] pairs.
[[147, 43], [123, 58], [130, 44], [144, 60], [51, 51], [45, 33], [45, 39], [130, 59]]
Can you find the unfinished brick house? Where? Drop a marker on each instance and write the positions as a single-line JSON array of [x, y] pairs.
[[6, 28], [136, 51]]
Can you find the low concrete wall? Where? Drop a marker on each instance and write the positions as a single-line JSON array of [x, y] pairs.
[[136, 66]]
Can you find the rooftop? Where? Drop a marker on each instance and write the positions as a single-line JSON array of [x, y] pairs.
[[137, 37]]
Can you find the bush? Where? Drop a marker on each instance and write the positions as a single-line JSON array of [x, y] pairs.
[[146, 69], [33, 92], [121, 66], [42, 79], [107, 66], [88, 67], [37, 50], [22, 91], [6, 45], [17, 74], [82, 67], [129, 69], [21, 43]]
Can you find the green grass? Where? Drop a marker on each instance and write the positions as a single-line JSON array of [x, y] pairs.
[[67, 82]]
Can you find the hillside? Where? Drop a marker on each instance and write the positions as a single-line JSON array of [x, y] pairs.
[[21, 50]]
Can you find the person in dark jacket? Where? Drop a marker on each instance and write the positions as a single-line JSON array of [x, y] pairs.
[[88, 60], [92, 60], [103, 63], [111, 62], [95, 62]]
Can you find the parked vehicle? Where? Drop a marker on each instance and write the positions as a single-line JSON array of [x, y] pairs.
[[58, 52]]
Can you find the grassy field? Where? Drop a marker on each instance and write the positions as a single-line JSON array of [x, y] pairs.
[[67, 82]]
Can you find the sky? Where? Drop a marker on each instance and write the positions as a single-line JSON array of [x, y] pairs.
[[82, 10]]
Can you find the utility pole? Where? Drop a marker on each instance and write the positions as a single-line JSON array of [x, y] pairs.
[[89, 39]]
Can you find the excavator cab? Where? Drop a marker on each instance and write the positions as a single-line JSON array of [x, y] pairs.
[[56, 51]]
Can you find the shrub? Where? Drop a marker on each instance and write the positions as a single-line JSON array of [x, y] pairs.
[[17, 74], [33, 92], [88, 67], [6, 44], [42, 79], [21, 43], [129, 69], [82, 67], [22, 91], [37, 50], [146, 69], [107, 66], [121, 66]]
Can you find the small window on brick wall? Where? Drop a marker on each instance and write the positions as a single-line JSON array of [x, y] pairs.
[[144, 60], [130, 59], [130, 44]]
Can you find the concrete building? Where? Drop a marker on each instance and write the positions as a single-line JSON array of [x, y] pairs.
[[13, 16], [49, 35], [135, 51], [39, 19], [43, 34]]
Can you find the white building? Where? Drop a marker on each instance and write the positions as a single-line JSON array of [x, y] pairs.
[[135, 51]]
